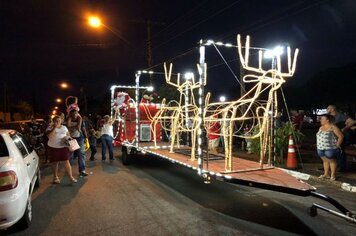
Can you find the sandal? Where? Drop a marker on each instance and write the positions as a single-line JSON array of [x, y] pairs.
[[73, 180], [332, 178], [324, 177], [56, 180]]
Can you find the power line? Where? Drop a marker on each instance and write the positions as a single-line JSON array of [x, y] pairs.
[[195, 25], [179, 19]]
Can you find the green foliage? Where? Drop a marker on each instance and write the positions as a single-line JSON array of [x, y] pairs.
[[24, 108], [282, 139]]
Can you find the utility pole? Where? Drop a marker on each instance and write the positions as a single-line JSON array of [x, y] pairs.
[[149, 24]]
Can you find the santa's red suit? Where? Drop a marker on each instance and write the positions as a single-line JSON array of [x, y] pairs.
[[121, 101]]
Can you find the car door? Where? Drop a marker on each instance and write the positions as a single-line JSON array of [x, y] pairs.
[[27, 158]]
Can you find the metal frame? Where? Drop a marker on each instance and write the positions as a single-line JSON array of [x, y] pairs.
[[208, 176]]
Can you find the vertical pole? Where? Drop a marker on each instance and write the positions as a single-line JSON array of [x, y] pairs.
[[137, 110], [202, 80], [272, 151], [112, 100], [186, 112], [149, 49]]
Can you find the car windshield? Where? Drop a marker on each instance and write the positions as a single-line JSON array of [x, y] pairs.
[[3, 148]]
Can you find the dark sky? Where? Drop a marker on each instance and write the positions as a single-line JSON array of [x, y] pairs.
[[44, 42]]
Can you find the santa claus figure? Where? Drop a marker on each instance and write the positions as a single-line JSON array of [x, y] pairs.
[[121, 101]]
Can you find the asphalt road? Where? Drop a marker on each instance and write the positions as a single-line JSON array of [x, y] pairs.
[[155, 197]]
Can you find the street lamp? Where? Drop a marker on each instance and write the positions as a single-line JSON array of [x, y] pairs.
[[64, 85], [222, 98], [58, 100], [272, 53], [96, 22]]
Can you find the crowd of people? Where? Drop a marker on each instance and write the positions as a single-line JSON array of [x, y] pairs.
[[62, 129], [335, 133]]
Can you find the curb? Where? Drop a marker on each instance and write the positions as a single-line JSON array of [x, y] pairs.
[[345, 186]]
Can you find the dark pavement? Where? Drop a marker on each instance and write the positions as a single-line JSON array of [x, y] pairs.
[[156, 197]]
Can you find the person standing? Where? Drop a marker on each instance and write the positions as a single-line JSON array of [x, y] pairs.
[[92, 142], [78, 132], [339, 121], [214, 136], [328, 141], [58, 152], [297, 119], [107, 137]]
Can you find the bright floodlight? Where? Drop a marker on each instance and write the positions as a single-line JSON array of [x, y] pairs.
[[94, 21], [150, 89], [222, 99], [277, 51], [188, 75]]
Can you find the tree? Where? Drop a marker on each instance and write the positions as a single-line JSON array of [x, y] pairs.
[[24, 108]]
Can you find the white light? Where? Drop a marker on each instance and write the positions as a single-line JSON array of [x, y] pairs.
[[150, 89], [150, 72], [188, 75], [219, 43], [222, 99], [277, 51], [209, 42], [228, 45]]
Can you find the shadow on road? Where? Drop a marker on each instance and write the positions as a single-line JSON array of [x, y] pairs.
[[235, 201], [57, 197]]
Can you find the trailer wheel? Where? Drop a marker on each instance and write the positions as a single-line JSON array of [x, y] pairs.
[[312, 211], [125, 157]]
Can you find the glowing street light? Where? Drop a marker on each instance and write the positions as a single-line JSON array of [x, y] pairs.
[[277, 51], [222, 99], [64, 85], [56, 108], [58, 100], [188, 75], [94, 21]]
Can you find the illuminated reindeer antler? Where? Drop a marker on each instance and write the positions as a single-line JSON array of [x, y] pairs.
[[244, 58]]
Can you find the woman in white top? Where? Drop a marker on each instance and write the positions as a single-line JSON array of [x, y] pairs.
[[57, 149], [107, 136]]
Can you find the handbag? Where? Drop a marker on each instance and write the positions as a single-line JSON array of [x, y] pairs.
[[86, 144], [73, 145]]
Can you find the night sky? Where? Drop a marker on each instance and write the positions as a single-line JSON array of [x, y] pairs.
[[45, 42]]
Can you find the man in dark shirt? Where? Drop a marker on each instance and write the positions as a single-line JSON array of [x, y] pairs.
[[339, 121]]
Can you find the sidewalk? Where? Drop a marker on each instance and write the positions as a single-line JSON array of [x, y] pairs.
[[310, 167]]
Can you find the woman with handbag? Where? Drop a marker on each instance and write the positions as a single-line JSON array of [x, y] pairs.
[[57, 149], [78, 132]]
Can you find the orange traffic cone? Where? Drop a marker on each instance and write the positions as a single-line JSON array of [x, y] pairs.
[[292, 162]]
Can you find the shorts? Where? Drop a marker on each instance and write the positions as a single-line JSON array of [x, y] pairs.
[[330, 153]]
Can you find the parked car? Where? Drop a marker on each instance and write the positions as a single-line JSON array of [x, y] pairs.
[[19, 174]]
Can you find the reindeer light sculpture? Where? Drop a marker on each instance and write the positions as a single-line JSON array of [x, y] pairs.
[[178, 116], [250, 107]]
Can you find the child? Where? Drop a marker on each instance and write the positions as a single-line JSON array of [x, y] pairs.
[[72, 104], [92, 141]]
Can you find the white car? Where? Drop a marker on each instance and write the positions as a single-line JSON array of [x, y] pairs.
[[19, 174]]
